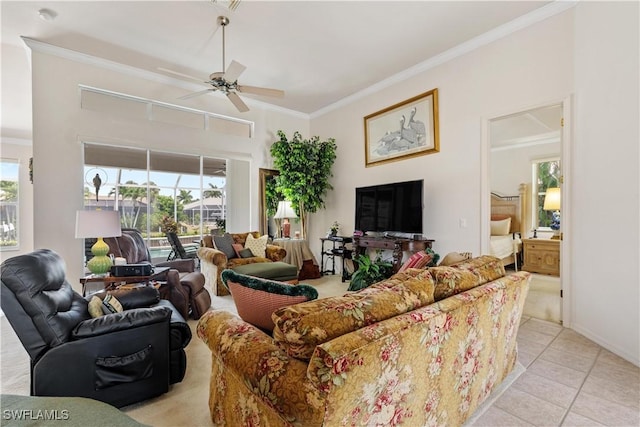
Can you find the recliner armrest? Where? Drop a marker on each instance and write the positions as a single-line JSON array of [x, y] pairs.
[[180, 330], [141, 297], [121, 321]]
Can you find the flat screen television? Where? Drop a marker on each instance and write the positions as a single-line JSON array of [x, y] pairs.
[[390, 207]]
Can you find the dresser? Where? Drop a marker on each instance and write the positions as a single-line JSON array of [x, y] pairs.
[[541, 256]]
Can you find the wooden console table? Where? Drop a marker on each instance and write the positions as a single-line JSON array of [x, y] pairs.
[[396, 244], [111, 282]]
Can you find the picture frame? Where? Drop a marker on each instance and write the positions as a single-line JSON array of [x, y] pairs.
[[404, 130]]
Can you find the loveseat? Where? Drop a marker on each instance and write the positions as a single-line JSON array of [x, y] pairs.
[[425, 347], [214, 261]]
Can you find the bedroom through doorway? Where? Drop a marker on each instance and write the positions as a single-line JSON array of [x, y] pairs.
[[525, 162]]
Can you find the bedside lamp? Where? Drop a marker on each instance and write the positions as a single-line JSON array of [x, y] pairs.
[[98, 224], [552, 203], [284, 212]]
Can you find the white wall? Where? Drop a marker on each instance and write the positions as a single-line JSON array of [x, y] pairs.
[[605, 249], [20, 150], [536, 66], [60, 126], [530, 67]]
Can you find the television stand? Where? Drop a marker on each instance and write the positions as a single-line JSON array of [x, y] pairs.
[[397, 244]]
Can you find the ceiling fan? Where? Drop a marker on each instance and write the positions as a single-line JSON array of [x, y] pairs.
[[227, 81]]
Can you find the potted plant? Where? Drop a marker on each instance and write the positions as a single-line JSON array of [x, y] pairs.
[[369, 272], [333, 231], [305, 168]]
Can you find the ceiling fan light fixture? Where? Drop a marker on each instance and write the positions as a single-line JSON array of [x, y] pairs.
[[227, 81]]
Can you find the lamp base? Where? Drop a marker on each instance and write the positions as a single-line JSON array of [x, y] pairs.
[[100, 264]]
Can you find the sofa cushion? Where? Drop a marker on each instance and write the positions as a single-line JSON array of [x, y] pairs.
[[451, 280], [224, 244], [256, 299], [301, 327], [486, 268], [258, 246]]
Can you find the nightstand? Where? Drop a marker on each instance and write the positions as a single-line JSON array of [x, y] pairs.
[[542, 256]]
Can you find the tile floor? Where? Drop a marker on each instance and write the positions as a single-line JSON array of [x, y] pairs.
[[569, 381]]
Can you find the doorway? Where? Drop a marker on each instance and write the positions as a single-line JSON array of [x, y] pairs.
[[528, 147]]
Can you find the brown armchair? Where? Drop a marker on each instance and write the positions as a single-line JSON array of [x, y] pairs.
[[213, 261], [184, 286]]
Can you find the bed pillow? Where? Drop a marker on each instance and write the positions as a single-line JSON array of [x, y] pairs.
[[256, 299], [501, 227], [258, 246]]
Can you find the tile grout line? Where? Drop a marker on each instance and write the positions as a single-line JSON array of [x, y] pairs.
[[573, 401]]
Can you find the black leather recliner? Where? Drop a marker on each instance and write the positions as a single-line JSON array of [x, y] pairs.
[[119, 358], [184, 286]]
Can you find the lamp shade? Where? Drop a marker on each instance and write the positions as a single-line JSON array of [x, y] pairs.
[[552, 199], [90, 224], [285, 210]]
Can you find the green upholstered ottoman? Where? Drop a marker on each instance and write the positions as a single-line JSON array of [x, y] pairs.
[[280, 271]]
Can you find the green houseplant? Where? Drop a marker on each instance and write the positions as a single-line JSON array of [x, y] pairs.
[[305, 168], [369, 272]]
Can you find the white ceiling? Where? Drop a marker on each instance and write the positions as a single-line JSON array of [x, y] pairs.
[[318, 52]]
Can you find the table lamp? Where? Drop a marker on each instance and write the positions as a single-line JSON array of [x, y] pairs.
[[284, 212], [552, 203], [98, 224]]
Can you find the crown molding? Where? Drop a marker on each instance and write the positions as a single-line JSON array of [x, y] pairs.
[[502, 31], [106, 64]]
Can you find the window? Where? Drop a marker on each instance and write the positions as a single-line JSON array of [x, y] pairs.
[[146, 186], [9, 204], [546, 174]]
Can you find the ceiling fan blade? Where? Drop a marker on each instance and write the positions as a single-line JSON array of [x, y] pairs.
[[186, 76], [194, 94], [233, 71], [276, 93], [240, 105]]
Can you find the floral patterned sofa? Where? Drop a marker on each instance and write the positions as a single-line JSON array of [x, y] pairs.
[[425, 347], [213, 261]]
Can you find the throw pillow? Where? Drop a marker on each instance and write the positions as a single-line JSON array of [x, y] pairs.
[[98, 307], [237, 247], [258, 246], [256, 299], [246, 253], [452, 258], [411, 262], [224, 244], [95, 307], [501, 227]]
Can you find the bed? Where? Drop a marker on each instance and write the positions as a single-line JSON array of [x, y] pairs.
[[508, 226]]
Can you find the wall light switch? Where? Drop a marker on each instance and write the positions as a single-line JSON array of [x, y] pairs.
[[463, 223]]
